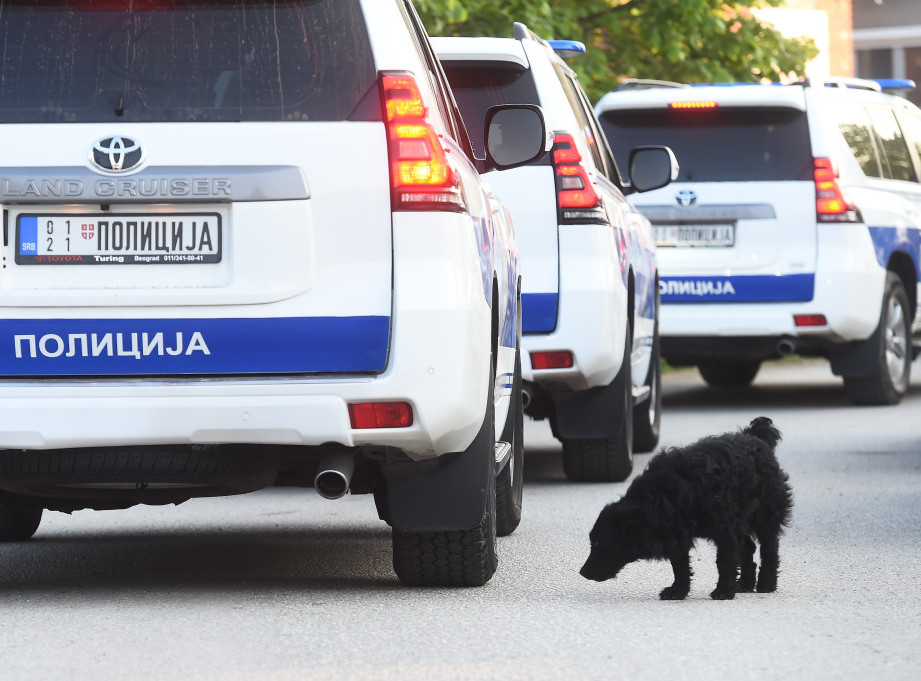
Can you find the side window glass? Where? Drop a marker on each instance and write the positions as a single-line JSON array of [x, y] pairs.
[[446, 106], [585, 128], [855, 127], [911, 127], [604, 148], [893, 144]]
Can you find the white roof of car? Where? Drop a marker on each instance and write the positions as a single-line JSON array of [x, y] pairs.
[[474, 49], [725, 95]]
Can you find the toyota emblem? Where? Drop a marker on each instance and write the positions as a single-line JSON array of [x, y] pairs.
[[686, 197], [116, 154]]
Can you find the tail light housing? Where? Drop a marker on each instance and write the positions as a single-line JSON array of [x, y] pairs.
[[830, 203], [367, 415], [576, 198], [552, 359], [421, 174]]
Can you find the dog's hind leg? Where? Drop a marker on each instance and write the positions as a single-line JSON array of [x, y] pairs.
[[770, 562], [747, 566], [681, 566], [727, 565]]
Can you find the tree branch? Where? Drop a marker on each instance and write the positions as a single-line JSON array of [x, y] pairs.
[[616, 8]]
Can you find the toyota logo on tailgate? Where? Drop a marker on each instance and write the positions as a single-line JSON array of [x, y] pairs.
[[686, 197], [116, 154]]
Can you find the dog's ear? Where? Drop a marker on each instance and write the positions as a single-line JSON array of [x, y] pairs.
[[763, 429]]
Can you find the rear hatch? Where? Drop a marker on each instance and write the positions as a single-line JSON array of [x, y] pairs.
[[191, 188], [528, 192], [739, 223]]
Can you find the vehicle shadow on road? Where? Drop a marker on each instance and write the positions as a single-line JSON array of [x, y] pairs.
[[169, 563]]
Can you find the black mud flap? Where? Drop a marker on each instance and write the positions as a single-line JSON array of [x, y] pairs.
[[588, 414], [443, 495]]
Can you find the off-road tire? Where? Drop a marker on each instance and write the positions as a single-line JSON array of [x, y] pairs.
[[891, 348], [510, 480], [454, 558], [606, 459], [729, 374], [647, 415], [143, 473], [19, 523]]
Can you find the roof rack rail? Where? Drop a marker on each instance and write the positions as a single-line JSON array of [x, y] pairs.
[[646, 84], [522, 32], [838, 81]]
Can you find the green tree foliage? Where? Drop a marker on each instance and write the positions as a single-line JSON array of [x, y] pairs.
[[683, 40]]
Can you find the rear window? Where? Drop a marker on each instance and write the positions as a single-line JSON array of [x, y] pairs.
[[718, 145], [478, 86], [175, 60]]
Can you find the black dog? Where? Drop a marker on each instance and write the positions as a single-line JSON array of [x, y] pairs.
[[728, 488]]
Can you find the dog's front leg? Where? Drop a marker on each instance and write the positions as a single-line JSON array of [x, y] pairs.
[[681, 566], [727, 565]]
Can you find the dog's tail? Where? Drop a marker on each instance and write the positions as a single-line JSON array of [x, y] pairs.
[[763, 429]]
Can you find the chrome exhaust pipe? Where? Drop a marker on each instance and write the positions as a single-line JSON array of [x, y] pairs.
[[334, 474], [786, 346], [525, 396]]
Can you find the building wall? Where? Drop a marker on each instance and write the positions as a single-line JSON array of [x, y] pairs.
[[827, 23], [840, 44], [887, 40]]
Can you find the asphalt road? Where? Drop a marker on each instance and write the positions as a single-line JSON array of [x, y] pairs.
[[284, 585]]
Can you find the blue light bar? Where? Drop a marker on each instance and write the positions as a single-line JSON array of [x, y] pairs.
[[567, 48], [895, 83]]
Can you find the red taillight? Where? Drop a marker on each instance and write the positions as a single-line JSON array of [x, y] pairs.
[[380, 415], [810, 320], [830, 204], [556, 359], [576, 197], [420, 175]]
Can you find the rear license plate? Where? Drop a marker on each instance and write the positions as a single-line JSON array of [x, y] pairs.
[[695, 235], [114, 239]]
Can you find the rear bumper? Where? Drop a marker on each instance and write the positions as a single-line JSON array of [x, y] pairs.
[[848, 290], [438, 362], [592, 313]]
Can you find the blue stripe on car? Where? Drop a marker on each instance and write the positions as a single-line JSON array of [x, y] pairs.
[[888, 240], [108, 347], [539, 312], [738, 289]]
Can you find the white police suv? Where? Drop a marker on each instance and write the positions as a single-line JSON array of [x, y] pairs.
[[588, 258], [247, 244], [794, 227]]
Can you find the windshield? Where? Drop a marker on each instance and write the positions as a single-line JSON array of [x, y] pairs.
[[718, 145], [176, 60]]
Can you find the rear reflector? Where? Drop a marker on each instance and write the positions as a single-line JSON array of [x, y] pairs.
[[810, 320], [380, 415], [557, 359]]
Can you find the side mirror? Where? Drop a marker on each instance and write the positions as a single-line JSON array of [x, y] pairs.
[[516, 134], [652, 168]]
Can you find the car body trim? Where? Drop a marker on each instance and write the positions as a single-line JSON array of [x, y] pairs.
[[176, 184]]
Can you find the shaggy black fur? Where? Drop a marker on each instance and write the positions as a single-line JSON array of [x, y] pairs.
[[727, 488]]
